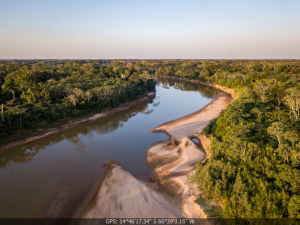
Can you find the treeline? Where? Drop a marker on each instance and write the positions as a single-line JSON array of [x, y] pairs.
[[74, 136], [35, 93], [254, 168]]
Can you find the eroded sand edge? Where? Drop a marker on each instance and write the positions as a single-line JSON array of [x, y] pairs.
[[122, 195]]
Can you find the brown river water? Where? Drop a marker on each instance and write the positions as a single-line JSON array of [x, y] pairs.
[[32, 175]]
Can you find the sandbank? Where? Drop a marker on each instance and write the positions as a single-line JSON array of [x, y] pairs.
[[172, 163], [122, 195]]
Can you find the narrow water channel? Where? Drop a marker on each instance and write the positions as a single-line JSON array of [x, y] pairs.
[[33, 174]]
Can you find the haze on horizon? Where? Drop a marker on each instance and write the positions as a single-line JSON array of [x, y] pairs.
[[172, 29]]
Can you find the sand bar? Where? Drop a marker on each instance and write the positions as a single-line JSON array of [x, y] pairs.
[[172, 163]]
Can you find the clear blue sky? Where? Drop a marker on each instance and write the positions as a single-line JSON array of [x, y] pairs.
[[94, 29]]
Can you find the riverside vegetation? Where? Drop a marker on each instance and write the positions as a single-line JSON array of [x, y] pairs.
[[40, 92], [254, 168]]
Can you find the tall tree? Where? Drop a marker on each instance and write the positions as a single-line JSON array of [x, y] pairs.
[[261, 88], [292, 99], [276, 130]]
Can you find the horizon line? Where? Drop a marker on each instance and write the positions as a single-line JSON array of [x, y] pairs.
[[152, 59]]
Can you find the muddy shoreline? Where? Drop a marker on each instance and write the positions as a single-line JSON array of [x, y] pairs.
[[168, 194], [74, 123], [122, 195], [173, 161]]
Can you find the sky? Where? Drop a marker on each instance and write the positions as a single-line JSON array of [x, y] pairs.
[[149, 29]]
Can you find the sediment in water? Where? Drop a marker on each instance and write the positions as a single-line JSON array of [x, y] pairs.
[[172, 163]]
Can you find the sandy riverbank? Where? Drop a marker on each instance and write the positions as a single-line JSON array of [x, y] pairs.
[[75, 122], [122, 195], [184, 150], [172, 163]]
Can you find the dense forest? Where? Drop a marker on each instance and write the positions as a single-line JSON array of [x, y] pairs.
[[39, 92], [254, 168]]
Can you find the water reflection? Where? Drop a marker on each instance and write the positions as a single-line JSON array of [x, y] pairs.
[[204, 90], [103, 126], [74, 135], [36, 172], [22, 155]]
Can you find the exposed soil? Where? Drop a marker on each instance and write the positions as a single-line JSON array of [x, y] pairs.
[[26, 136], [172, 163]]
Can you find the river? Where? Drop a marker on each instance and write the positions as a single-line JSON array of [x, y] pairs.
[[33, 174]]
